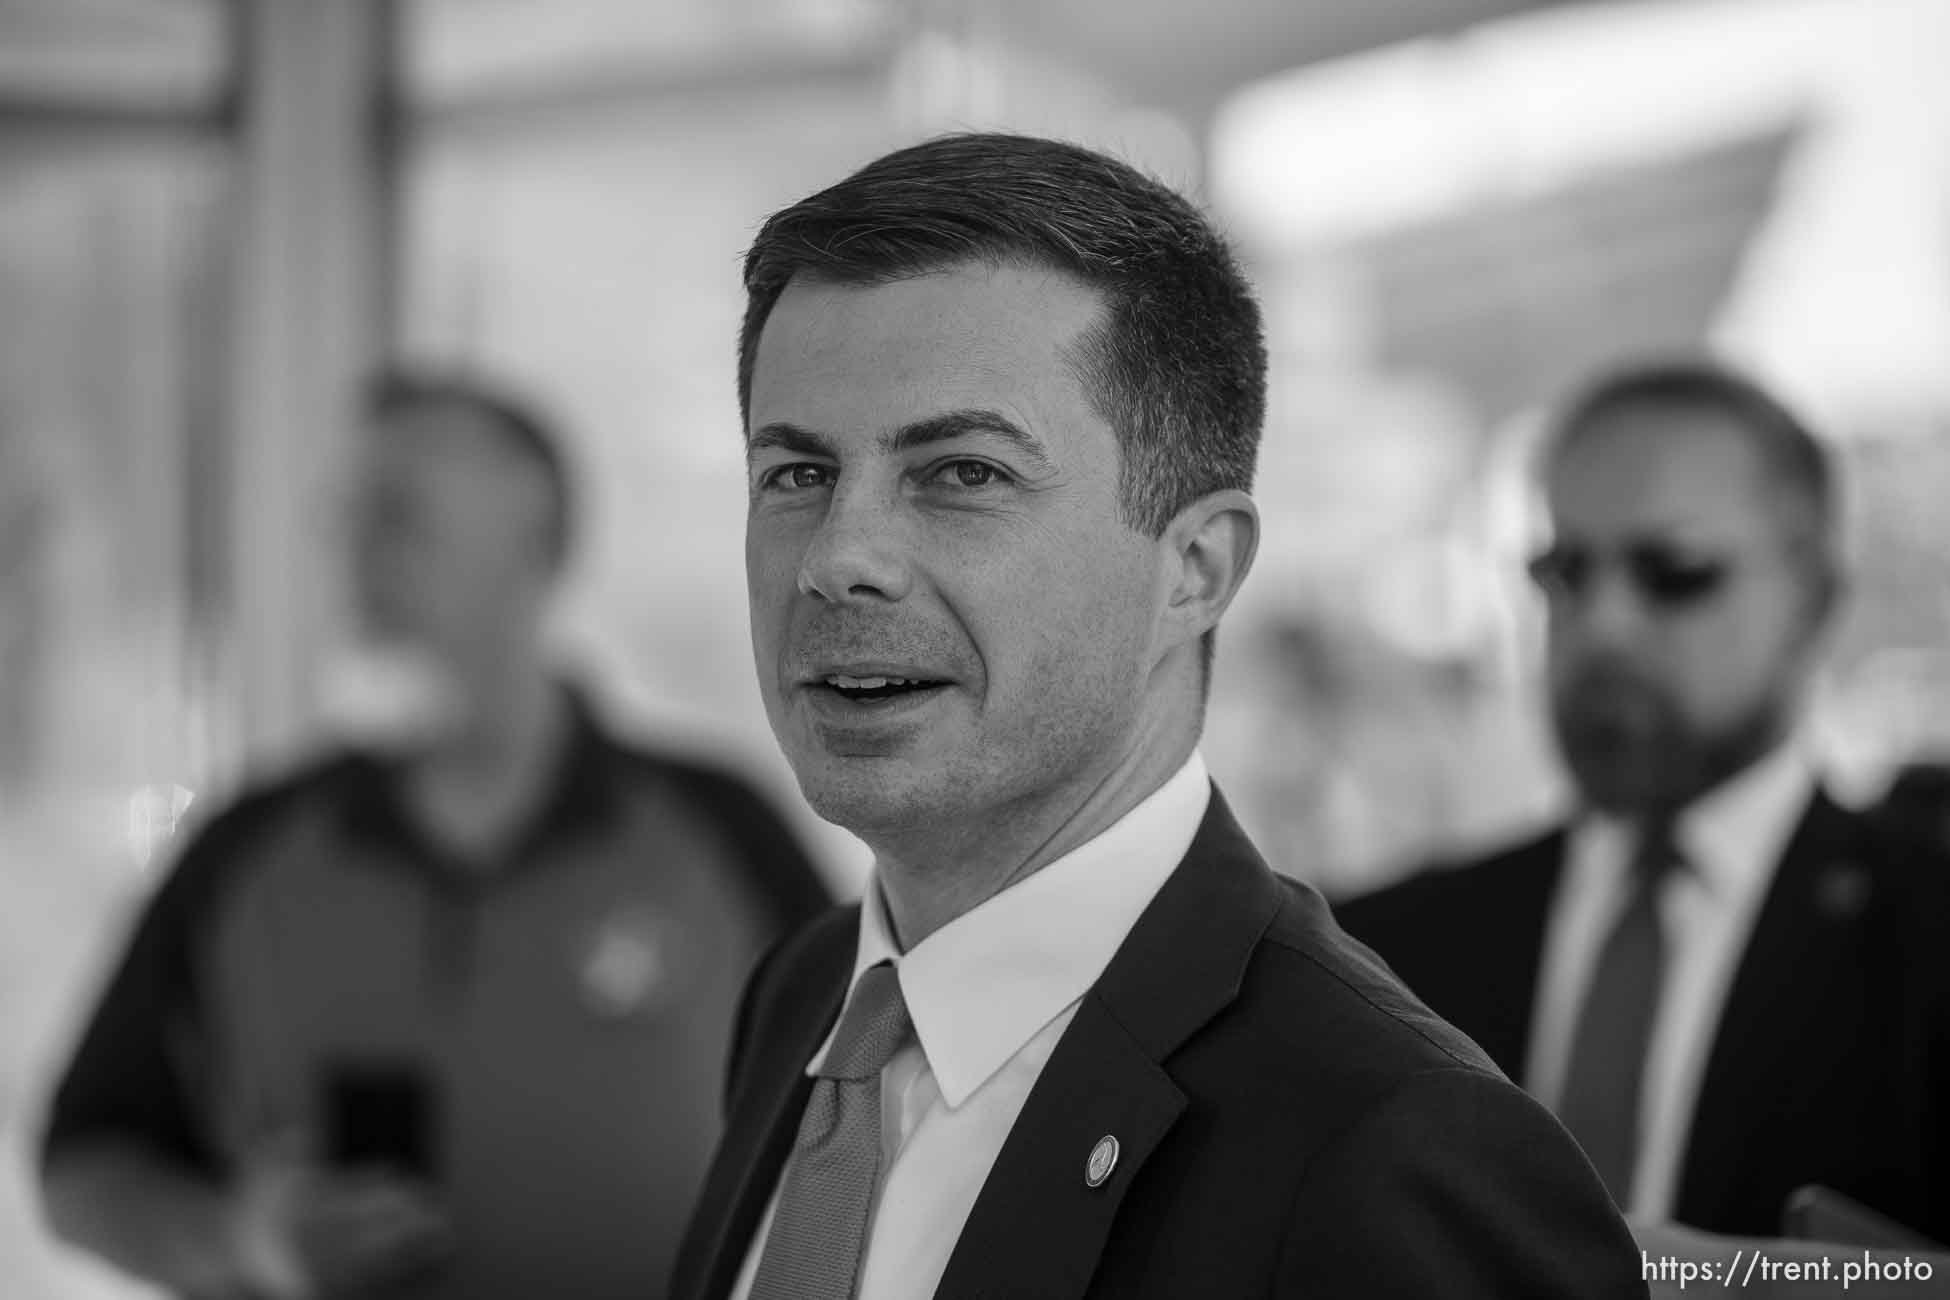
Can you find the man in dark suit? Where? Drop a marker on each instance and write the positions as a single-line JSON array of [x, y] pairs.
[[1719, 978], [1003, 400]]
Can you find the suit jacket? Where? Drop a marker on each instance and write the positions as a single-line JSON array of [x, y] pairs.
[[1292, 1122], [1830, 1065]]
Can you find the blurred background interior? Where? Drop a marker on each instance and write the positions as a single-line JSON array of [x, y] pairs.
[[216, 217]]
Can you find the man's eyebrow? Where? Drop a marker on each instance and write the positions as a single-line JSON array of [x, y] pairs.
[[967, 423], [783, 436]]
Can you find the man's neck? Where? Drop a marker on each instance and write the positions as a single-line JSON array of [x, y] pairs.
[[506, 708], [1722, 773], [494, 766], [1004, 847]]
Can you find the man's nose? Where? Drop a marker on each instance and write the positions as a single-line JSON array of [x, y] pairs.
[[1610, 613], [858, 553]]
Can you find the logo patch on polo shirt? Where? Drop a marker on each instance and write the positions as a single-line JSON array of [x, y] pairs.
[[628, 965]]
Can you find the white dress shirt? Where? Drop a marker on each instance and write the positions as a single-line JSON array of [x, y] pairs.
[[990, 994], [1731, 843]]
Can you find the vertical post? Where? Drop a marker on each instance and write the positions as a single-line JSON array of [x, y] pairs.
[[308, 309]]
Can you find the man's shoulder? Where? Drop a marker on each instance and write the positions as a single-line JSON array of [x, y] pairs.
[[1896, 877], [1326, 988], [1518, 870], [216, 852], [1417, 1166], [1886, 844], [266, 795], [244, 827]]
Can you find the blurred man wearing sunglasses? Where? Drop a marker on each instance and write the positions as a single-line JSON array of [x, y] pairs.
[[1718, 977]]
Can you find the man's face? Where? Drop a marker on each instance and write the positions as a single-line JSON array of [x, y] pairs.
[[449, 546], [949, 614], [1681, 617]]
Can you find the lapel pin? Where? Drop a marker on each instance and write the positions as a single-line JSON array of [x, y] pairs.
[[1103, 1159], [1842, 891]]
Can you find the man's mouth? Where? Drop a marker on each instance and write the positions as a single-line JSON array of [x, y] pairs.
[[873, 689]]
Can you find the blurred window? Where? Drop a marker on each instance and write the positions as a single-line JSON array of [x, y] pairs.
[[138, 58], [115, 172]]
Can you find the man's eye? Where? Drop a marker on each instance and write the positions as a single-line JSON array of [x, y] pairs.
[[1672, 580], [1561, 571], [798, 477], [969, 474]]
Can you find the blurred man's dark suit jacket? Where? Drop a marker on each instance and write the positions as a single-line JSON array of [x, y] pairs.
[[1831, 1064], [1292, 1123]]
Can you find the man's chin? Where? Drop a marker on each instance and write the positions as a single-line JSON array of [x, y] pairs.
[[1622, 785], [870, 795]]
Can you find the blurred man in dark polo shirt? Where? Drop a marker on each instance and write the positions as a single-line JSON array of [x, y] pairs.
[[447, 1023]]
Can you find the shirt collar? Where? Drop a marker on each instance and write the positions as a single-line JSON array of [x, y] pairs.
[[979, 988], [582, 797], [1732, 837], [1736, 833]]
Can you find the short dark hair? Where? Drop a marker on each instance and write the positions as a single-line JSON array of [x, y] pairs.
[[1177, 367], [401, 394], [1799, 459]]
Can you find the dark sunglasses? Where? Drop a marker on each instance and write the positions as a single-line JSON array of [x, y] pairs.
[[1662, 575]]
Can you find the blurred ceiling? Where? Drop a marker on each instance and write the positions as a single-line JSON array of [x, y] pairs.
[[486, 53], [1167, 54], [169, 55], [1628, 262], [1186, 57]]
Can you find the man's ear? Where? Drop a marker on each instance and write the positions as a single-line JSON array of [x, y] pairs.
[[1210, 546], [1828, 592]]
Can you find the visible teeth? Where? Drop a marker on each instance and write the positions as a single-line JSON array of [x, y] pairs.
[[864, 683]]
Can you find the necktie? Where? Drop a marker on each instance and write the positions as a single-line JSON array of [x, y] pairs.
[[1600, 1104], [819, 1232]]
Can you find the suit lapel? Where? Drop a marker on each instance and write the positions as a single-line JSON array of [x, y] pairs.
[[1038, 1227], [1779, 1021], [764, 1120], [1509, 955]]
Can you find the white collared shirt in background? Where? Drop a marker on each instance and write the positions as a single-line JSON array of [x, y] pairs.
[[990, 994], [1731, 842]]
